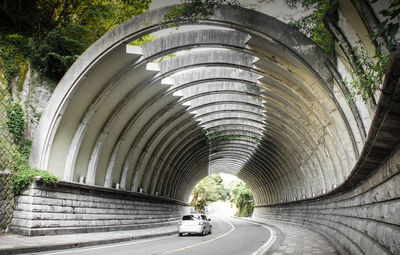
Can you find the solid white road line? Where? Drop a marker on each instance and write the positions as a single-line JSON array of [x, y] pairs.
[[205, 242], [271, 240]]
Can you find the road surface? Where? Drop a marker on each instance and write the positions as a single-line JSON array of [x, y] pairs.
[[230, 236]]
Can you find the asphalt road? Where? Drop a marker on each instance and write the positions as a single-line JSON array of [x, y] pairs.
[[230, 236]]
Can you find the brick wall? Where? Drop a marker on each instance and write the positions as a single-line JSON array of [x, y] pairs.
[[365, 220], [75, 208]]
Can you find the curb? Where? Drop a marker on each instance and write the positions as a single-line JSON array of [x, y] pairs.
[[80, 245]]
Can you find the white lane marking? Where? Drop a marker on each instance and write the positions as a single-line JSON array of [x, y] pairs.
[[269, 243], [107, 246], [198, 244]]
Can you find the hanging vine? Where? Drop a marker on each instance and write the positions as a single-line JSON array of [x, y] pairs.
[[370, 71]]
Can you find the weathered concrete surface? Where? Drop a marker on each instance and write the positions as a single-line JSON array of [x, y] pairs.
[[73, 208], [365, 220]]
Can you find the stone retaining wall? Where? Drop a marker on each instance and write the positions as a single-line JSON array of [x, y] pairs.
[[75, 208], [365, 220], [6, 200]]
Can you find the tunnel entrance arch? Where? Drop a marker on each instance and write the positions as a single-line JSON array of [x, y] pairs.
[[259, 99]]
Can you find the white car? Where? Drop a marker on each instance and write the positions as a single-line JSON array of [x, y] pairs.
[[194, 224]]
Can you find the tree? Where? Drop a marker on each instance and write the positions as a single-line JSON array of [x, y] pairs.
[[58, 31], [312, 25], [243, 199], [208, 190], [194, 10]]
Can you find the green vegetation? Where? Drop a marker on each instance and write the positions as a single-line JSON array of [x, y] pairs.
[[242, 198], [193, 10], [14, 50], [16, 122], [23, 174], [211, 189], [220, 133], [143, 40], [369, 71], [51, 34], [388, 29], [208, 190], [368, 74], [312, 25]]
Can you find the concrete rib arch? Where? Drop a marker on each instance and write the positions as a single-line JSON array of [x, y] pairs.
[[145, 137]]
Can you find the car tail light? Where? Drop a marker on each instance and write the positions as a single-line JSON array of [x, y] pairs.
[[200, 223]]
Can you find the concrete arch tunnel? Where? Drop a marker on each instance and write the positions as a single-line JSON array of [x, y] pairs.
[[257, 98], [250, 96]]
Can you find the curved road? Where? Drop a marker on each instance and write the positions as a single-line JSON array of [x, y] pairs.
[[230, 236]]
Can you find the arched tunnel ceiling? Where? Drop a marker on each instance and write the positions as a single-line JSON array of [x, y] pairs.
[[255, 100]]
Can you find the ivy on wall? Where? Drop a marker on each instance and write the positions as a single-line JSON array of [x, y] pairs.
[[370, 70], [16, 122], [23, 174]]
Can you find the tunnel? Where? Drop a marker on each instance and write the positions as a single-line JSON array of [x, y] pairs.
[[246, 95]]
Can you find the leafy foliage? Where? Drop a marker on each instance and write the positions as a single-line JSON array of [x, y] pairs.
[[14, 48], [16, 122], [194, 10], [59, 50], [23, 174], [369, 71], [51, 34], [243, 199], [388, 28], [143, 40], [208, 190], [312, 25]]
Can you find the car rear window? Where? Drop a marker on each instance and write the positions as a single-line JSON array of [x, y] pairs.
[[191, 217], [188, 217]]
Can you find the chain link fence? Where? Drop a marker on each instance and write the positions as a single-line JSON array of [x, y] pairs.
[[6, 200], [7, 148]]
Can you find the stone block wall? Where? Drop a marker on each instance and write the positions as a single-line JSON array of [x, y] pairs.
[[75, 208], [6, 200], [365, 220]]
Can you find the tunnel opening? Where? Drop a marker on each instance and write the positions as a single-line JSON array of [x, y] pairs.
[[222, 195]]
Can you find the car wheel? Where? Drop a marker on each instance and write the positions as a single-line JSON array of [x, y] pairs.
[[204, 232], [180, 234]]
